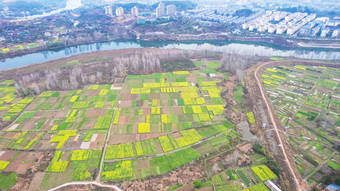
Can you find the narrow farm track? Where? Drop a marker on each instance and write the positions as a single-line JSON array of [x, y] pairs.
[[257, 91], [173, 151], [104, 149], [271, 115]]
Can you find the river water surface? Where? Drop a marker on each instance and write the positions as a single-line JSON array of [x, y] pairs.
[[241, 48]]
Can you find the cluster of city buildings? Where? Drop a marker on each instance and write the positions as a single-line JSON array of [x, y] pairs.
[[256, 19], [221, 15], [170, 10], [160, 11], [294, 24], [120, 11], [273, 22]]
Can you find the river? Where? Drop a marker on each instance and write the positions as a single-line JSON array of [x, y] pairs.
[[242, 48]]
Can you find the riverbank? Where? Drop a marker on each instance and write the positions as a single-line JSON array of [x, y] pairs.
[[54, 47], [319, 45], [217, 39], [243, 48]]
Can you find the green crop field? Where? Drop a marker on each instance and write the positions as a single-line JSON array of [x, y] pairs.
[[149, 124], [306, 95]]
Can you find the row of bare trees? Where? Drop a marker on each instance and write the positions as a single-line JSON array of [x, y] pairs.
[[136, 61], [236, 64], [120, 64]]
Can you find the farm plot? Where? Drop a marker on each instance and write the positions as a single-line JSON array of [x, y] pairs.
[[158, 113], [76, 165], [248, 177], [300, 96], [117, 171], [264, 173], [133, 169], [160, 103], [119, 151]]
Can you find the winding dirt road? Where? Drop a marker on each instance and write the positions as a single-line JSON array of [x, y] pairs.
[[271, 115], [286, 163]]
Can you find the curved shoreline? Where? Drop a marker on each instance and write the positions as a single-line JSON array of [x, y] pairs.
[[144, 43]]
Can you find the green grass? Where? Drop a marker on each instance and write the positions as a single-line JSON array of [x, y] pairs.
[[259, 187], [218, 178], [277, 58], [160, 165], [182, 157], [87, 137], [232, 174], [238, 94], [333, 165], [7, 180]]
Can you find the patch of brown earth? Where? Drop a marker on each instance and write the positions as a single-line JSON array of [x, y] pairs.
[[129, 97], [174, 127], [125, 104], [177, 110], [146, 111], [166, 110], [32, 106], [51, 100], [119, 139], [28, 125], [177, 135], [154, 96], [36, 181], [61, 114], [99, 142], [95, 112], [151, 135], [7, 155], [122, 119], [22, 162]]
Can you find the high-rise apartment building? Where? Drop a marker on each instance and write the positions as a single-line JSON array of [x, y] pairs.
[[108, 10], [134, 11], [171, 10], [160, 12], [119, 11]]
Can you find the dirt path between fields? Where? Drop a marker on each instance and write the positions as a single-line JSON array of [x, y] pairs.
[[256, 89]]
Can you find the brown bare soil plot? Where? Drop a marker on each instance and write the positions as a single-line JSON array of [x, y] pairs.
[[7, 155], [151, 135], [177, 110], [22, 162], [174, 127], [119, 139], [89, 124], [61, 114], [28, 126], [154, 96], [95, 112], [146, 111], [36, 181], [129, 97], [166, 110], [125, 104], [52, 100], [99, 142], [32, 106]]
